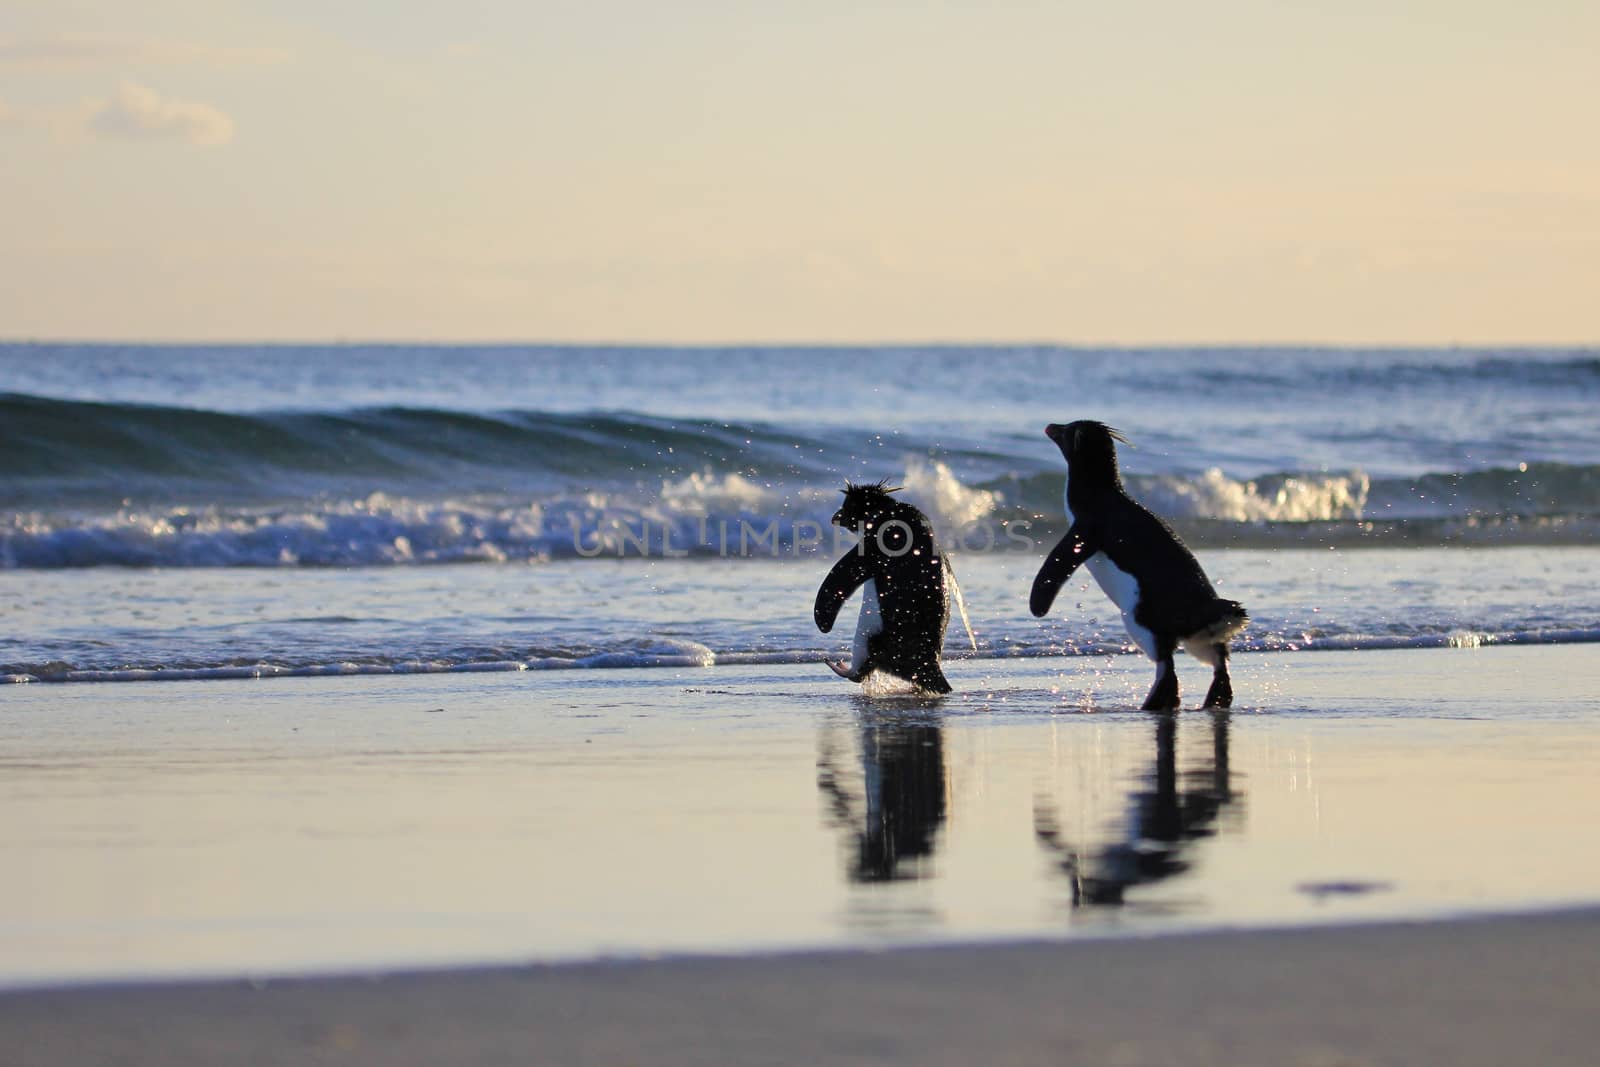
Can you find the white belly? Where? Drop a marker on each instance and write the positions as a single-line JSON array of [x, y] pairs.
[[1123, 590], [870, 624]]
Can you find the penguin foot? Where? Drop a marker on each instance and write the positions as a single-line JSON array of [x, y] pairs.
[[838, 667], [1164, 694], [1220, 695]]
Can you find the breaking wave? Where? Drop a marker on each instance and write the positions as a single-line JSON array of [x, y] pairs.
[[73, 453], [90, 484], [1536, 489], [1275, 498], [700, 514], [732, 514]]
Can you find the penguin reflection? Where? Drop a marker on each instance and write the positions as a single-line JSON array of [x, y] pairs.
[[1165, 818], [893, 823]]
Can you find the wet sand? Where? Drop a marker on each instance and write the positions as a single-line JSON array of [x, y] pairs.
[[1027, 871], [1485, 992]]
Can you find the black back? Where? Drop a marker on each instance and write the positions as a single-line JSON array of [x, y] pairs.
[[899, 553]]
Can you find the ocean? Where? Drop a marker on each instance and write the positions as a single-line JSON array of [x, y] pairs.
[[204, 511]]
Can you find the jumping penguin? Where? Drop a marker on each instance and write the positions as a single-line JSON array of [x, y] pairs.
[[1165, 598], [905, 582]]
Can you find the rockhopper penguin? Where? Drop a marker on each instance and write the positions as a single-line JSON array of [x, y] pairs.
[[905, 582], [1165, 598]]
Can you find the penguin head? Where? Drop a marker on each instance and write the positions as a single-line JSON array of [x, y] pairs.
[[1088, 447], [866, 506]]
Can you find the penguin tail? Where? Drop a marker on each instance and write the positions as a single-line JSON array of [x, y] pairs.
[[1217, 625]]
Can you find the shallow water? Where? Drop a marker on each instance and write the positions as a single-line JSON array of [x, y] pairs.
[[350, 823], [118, 623]]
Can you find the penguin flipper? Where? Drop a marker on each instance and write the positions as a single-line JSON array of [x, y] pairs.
[[1066, 557], [848, 575], [961, 601]]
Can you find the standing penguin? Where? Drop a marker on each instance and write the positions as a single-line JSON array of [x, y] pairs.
[[1165, 598], [905, 601]]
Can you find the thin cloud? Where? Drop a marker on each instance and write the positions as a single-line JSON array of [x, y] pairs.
[[87, 50], [139, 111]]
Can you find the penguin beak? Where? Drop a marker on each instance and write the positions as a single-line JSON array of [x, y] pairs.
[[838, 517], [1053, 431]]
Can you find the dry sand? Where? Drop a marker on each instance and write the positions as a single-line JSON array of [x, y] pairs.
[[1495, 992]]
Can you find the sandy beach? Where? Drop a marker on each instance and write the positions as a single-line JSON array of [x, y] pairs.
[[1487, 992]]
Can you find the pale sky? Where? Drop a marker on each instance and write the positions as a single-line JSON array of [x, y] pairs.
[[1166, 171]]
